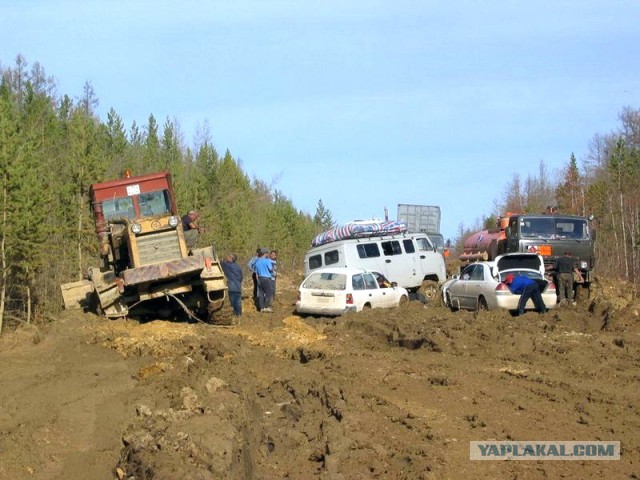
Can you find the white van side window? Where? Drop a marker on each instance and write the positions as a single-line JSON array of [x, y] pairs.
[[424, 245], [368, 250], [391, 248], [331, 257], [409, 247], [315, 261]]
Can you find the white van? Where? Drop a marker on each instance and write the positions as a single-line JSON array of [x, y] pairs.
[[409, 259]]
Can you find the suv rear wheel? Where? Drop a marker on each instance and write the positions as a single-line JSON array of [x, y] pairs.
[[431, 290]]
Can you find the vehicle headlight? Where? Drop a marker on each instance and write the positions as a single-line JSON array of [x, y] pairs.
[[584, 265], [136, 228], [173, 222]]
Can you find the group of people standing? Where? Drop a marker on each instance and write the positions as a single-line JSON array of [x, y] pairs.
[[262, 267], [263, 273]]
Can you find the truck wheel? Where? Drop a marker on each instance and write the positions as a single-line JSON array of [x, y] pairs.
[[431, 290]]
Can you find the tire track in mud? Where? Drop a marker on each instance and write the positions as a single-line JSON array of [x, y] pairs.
[[298, 413], [62, 404]]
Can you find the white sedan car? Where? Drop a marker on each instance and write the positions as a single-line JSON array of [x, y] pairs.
[[480, 285], [334, 291]]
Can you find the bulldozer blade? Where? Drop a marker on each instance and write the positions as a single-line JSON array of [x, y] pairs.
[[77, 294]]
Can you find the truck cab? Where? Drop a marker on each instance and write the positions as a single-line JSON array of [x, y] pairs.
[[551, 236]]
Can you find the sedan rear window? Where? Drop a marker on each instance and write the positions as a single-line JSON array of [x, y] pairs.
[[326, 281]]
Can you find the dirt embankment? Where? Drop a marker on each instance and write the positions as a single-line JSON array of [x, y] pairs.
[[383, 394]]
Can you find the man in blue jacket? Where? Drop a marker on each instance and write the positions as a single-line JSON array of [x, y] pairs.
[[527, 288], [264, 272], [233, 272]]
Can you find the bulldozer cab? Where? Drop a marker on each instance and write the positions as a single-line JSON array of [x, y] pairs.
[[133, 197], [137, 222]]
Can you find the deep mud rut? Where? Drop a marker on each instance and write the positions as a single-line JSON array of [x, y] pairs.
[[393, 394]]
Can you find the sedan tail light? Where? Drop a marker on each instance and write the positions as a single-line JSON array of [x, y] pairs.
[[501, 287], [349, 299]]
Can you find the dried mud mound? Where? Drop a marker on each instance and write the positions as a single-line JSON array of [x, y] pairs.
[[382, 394]]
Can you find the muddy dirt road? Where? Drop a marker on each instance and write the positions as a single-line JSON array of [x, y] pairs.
[[383, 394]]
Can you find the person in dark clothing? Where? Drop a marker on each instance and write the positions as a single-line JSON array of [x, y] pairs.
[[527, 288], [233, 272], [191, 229], [565, 269]]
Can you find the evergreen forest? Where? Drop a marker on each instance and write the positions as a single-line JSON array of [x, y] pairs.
[[52, 147]]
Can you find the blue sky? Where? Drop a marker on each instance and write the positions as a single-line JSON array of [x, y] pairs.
[[363, 104]]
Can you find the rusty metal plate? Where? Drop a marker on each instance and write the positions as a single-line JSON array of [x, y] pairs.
[[163, 271]]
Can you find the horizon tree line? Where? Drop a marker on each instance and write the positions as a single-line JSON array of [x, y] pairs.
[[52, 148]]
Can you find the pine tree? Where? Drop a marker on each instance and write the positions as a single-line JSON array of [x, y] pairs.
[[570, 193], [323, 217]]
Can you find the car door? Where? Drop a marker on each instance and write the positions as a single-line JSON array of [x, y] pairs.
[[398, 265], [458, 291], [431, 262], [359, 291], [389, 293], [377, 297], [475, 284]]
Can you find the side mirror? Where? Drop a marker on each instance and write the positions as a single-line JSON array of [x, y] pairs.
[[394, 284]]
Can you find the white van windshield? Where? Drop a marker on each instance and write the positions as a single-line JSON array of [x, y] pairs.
[[424, 244]]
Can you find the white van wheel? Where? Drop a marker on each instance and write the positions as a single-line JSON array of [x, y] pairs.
[[431, 290]]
